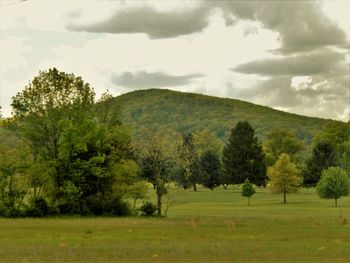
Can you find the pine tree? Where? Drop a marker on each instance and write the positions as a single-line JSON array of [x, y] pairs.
[[211, 169], [243, 157]]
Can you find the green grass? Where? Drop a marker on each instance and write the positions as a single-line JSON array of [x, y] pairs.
[[207, 226]]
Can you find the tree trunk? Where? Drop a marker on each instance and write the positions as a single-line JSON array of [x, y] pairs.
[[284, 197], [159, 200], [336, 202], [194, 187]]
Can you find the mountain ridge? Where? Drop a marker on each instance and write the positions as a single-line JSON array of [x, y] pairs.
[[182, 112]]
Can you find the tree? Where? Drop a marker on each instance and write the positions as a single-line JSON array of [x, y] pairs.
[[243, 157], [156, 161], [84, 145], [189, 162], [337, 134], [333, 184], [211, 169], [248, 190], [205, 141], [323, 156], [282, 141], [284, 176]]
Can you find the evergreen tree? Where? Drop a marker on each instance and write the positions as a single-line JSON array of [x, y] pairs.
[[324, 155], [243, 157], [211, 169]]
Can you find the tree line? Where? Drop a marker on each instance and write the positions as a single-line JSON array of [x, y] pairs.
[[75, 156]]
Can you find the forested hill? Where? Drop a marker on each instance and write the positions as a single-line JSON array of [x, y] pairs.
[[177, 112]]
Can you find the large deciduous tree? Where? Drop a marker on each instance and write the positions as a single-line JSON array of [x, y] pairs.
[[284, 176], [83, 144], [281, 141], [243, 157]]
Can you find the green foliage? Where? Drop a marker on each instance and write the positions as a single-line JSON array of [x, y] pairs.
[[243, 157], [38, 207], [337, 134], [324, 155], [248, 190], [284, 176], [206, 141], [83, 154], [13, 184], [156, 162], [282, 141], [148, 209], [333, 184], [177, 113], [188, 161], [138, 190], [211, 169]]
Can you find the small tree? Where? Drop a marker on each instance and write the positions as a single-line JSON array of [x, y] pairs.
[[189, 162], [284, 176], [155, 158], [248, 190], [334, 183]]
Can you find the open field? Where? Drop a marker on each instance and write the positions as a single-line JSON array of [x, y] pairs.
[[201, 227]]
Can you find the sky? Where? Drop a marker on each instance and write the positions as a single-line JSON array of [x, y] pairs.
[[289, 55]]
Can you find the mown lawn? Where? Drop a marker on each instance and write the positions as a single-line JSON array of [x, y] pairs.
[[207, 226]]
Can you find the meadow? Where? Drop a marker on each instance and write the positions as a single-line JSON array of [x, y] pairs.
[[203, 226]]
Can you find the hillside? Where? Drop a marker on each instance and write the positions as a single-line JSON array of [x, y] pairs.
[[177, 112], [174, 113]]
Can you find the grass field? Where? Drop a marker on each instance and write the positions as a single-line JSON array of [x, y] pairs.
[[207, 226]]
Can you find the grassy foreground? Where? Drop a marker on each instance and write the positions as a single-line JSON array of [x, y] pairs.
[[201, 227]]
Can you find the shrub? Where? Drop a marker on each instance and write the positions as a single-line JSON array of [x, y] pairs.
[[148, 209], [38, 208]]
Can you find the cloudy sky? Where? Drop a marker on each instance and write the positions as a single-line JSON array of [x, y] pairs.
[[289, 55]]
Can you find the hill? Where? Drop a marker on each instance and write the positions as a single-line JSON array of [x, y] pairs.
[[177, 112]]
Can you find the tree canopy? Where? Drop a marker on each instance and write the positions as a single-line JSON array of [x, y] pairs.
[[83, 144], [284, 176], [333, 184]]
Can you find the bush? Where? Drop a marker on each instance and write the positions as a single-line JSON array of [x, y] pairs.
[[38, 208], [103, 205], [148, 209]]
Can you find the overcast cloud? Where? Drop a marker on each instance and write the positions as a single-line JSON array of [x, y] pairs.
[[144, 80], [290, 55]]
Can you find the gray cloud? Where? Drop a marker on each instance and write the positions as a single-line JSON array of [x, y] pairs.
[[327, 97], [144, 80], [151, 22], [320, 62], [301, 24]]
